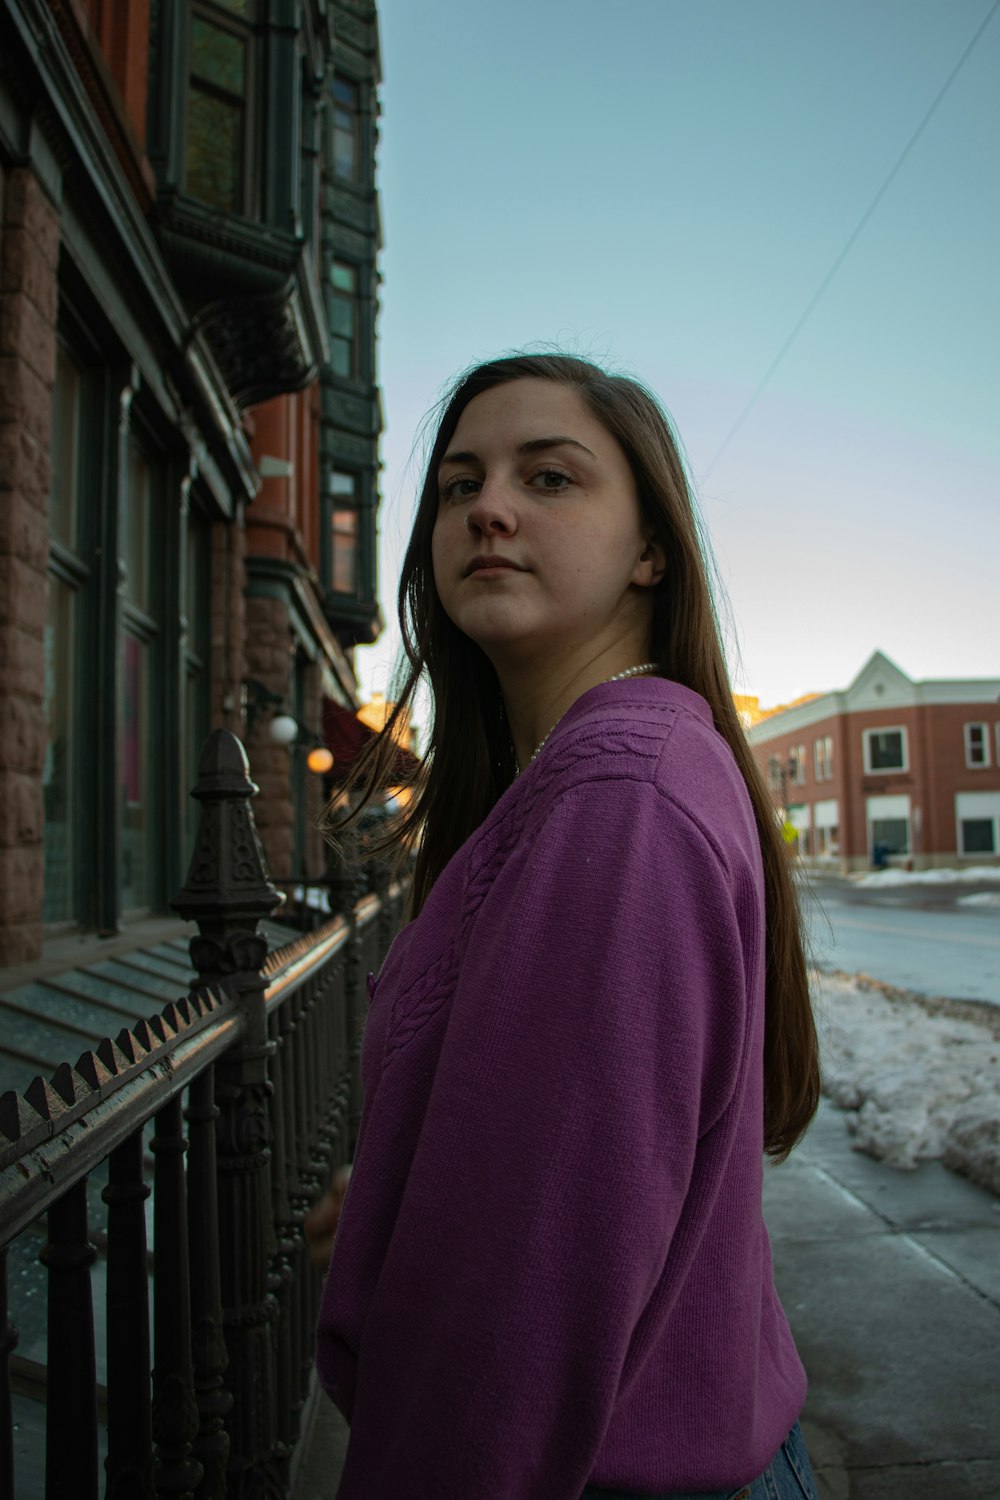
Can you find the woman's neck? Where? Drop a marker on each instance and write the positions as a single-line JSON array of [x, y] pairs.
[[535, 702]]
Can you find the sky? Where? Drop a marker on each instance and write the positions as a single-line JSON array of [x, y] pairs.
[[666, 186]]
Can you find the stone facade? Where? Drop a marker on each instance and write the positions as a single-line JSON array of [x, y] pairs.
[[187, 554], [29, 251]]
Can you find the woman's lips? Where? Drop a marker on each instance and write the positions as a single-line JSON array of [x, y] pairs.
[[486, 567]]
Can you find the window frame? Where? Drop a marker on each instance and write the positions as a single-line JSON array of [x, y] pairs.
[[335, 502], [353, 300], [984, 731], [147, 623], [247, 204], [77, 564], [993, 824], [823, 757], [881, 729], [196, 663], [354, 112]]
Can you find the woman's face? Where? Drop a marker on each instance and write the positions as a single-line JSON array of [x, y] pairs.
[[539, 537]]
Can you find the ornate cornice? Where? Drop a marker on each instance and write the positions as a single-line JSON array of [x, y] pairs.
[[254, 296]]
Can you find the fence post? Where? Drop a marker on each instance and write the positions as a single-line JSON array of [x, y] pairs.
[[8, 1343], [228, 891]]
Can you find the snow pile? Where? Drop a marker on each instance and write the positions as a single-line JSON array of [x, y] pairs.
[[972, 875], [919, 1078], [981, 898]]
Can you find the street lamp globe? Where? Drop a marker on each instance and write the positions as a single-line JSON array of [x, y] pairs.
[[284, 729]]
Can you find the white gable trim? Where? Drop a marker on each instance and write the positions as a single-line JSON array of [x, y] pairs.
[[879, 685]]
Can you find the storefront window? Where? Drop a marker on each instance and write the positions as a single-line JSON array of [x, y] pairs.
[[141, 756], [67, 581], [57, 771], [136, 853]]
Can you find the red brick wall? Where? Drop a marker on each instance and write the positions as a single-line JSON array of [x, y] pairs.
[[29, 250], [283, 520], [108, 43], [936, 770], [862, 784], [810, 790], [946, 768], [122, 31]]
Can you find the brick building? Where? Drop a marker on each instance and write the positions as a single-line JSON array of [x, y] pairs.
[[189, 426], [888, 769]]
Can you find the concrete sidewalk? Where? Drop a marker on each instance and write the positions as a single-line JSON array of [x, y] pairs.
[[891, 1282]]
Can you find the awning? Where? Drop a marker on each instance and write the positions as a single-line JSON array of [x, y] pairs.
[[345, 736]]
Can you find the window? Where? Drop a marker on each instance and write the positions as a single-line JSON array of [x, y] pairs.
[[197, 685], [978, 836], [885, 750], [57, 771], [826, 824], [344, 319], [68, 577], [216, 145], [977, 746], [977, 816], [140, 754], [775, 773], [797, 764], [827, 841], [888, 819], [344, 550], [799, 817], [892, 835], [823, 758], [346, 129]]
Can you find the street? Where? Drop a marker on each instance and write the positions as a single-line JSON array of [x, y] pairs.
[[917, 937]]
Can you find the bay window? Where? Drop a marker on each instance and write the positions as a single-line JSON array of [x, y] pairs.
[[217, 147]]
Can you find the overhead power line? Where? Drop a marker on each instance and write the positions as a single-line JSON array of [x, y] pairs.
[[831, 273]]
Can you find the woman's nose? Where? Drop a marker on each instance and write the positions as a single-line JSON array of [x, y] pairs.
[[490, 512]]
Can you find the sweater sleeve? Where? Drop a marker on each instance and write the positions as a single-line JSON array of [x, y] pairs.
[[596, 1032]]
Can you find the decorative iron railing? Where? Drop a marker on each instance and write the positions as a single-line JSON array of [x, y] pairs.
[[250, 1087]]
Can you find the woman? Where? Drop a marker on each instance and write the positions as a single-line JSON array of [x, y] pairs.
[[551, 1277]]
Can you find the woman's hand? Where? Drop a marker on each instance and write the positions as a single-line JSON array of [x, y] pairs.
[[321, 1222]]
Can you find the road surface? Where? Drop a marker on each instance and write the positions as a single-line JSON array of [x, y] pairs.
[[918, 938]]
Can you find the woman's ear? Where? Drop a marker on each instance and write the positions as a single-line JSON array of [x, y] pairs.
[[652, 564]]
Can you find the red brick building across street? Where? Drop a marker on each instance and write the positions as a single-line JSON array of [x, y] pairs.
[[888, 770]]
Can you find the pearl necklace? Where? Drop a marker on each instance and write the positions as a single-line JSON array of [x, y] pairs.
[[646, 666]]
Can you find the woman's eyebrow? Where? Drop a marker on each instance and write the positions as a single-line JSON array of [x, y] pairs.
[[459, 458], [534, 445], [537, 445]]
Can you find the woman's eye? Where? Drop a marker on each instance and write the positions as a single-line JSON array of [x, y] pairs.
[[551, 479], [459, 488]]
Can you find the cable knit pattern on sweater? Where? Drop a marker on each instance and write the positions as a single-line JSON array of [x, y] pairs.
[[551, 1268]]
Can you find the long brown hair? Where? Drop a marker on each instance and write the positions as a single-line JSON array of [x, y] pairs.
[[470, 762]]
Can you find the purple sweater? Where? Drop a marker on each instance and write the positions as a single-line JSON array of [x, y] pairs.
[[552, 1268]]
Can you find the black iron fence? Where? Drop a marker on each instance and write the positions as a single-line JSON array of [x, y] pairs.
[[245, 1094]]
